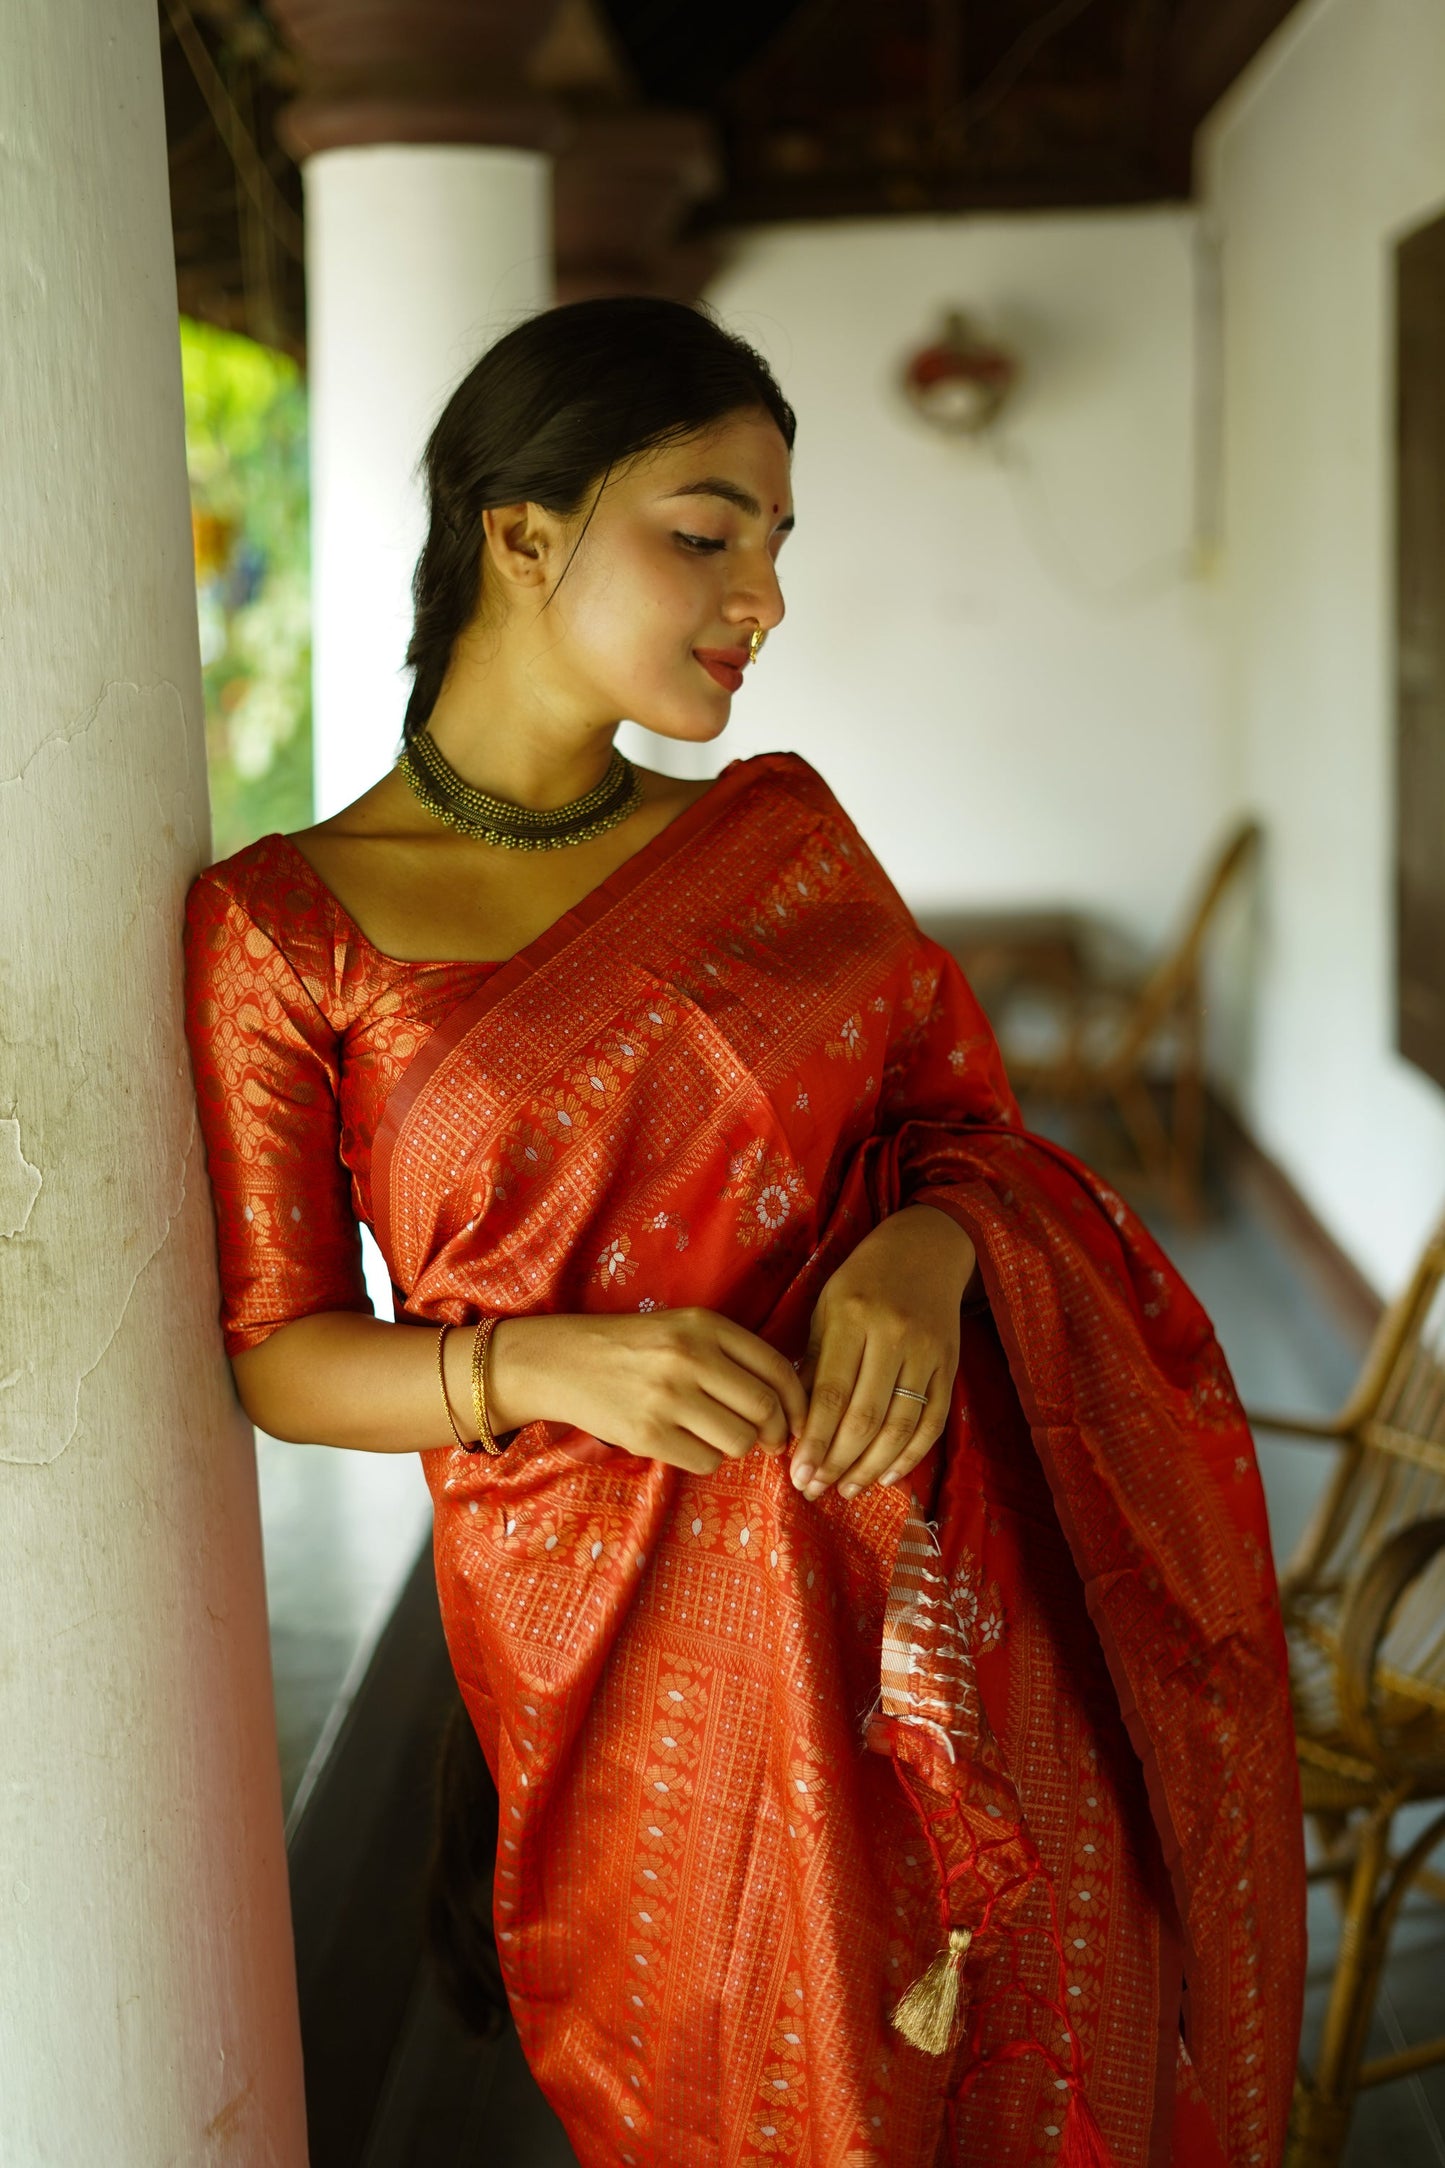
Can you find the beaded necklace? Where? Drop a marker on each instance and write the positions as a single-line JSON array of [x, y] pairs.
[[517, 827]]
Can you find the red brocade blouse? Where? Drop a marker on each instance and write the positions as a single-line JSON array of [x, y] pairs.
[[299, 1030]]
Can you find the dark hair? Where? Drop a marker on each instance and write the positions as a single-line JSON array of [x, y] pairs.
[[546, 414]]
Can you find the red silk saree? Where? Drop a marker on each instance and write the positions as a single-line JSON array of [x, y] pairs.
[[756, 1757]]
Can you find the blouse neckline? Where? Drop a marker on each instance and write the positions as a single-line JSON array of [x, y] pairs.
[[396, 963], [630, 867]]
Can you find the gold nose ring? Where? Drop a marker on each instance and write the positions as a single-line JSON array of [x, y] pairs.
[[759, 635]]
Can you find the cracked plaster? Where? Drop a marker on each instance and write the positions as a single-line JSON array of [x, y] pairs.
[[92, 1052], [20, 1183]]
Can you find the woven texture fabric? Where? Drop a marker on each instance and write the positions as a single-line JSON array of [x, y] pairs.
[[756, 1756]]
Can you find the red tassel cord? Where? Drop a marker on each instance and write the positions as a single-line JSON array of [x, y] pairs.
[[1083, 2145]]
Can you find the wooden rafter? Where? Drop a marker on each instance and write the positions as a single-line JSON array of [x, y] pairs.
[[822, 108]]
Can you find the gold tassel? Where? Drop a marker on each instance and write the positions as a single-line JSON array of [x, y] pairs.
[[927, 2013]]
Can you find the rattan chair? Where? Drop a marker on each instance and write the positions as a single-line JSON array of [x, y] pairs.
[[1364, 1603], [1113, 1030]]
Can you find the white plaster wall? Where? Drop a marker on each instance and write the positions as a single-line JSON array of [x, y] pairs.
[[418, 256], [147, 1996], [998, 654], [1330, 147]]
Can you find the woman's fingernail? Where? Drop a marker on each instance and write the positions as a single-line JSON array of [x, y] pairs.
[[815, 1489], [803, 1474], [847, 1490], [891, 1477]]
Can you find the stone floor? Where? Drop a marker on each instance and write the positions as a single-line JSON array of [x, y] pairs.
[[342, 1531]]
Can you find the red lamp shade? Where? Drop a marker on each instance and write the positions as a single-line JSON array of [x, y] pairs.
[[960, 383]]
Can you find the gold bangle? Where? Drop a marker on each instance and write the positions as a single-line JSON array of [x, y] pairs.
[[486, 1443], [446, 1397]]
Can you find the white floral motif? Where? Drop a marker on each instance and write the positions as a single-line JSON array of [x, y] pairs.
[[980, 1608], [768, 1186], [773, 1205], [614, 1264]]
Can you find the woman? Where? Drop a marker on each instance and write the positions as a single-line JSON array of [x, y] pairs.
[[862, 1595]]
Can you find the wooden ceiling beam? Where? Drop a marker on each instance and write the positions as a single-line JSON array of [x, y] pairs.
[[903, 195], [641, 191], [1209, 45]]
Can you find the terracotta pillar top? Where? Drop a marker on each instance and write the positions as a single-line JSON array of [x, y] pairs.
[[539, 74], [415, 71]]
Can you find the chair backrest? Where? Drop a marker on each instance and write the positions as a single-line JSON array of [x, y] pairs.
[[1390, 1477], [1177, 970]]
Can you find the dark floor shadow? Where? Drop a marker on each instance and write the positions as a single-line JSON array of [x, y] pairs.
[[392, 2077]]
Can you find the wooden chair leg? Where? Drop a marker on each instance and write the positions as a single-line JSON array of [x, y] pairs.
[[1324, 2105], [1333, 1833], [1146, 1130], [1188, 1112], [1318, 2130]]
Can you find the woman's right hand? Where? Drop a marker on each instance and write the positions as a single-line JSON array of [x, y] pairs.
[[688, 1387]]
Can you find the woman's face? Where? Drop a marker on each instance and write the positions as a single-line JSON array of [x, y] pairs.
[[673, 573]]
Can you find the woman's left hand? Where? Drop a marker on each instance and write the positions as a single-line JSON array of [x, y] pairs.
[[888, 1316]]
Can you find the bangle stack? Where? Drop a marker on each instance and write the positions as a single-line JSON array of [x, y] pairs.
[[485, 1441], [442, 1375]]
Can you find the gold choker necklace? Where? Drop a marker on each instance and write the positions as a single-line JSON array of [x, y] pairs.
[[517, 827]]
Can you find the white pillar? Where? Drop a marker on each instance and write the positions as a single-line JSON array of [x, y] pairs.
[[147, 1999], [418, 256]]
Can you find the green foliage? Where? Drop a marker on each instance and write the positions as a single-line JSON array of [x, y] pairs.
[[246, 451]]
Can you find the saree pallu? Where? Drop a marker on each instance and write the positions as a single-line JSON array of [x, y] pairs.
[[757, 1757]]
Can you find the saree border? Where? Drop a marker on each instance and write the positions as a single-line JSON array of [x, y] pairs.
[[647, 860]]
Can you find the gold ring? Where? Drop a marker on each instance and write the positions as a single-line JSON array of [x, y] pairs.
[[759, 635]]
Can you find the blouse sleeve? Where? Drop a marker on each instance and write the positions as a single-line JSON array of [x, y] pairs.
[[267, 1068]]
